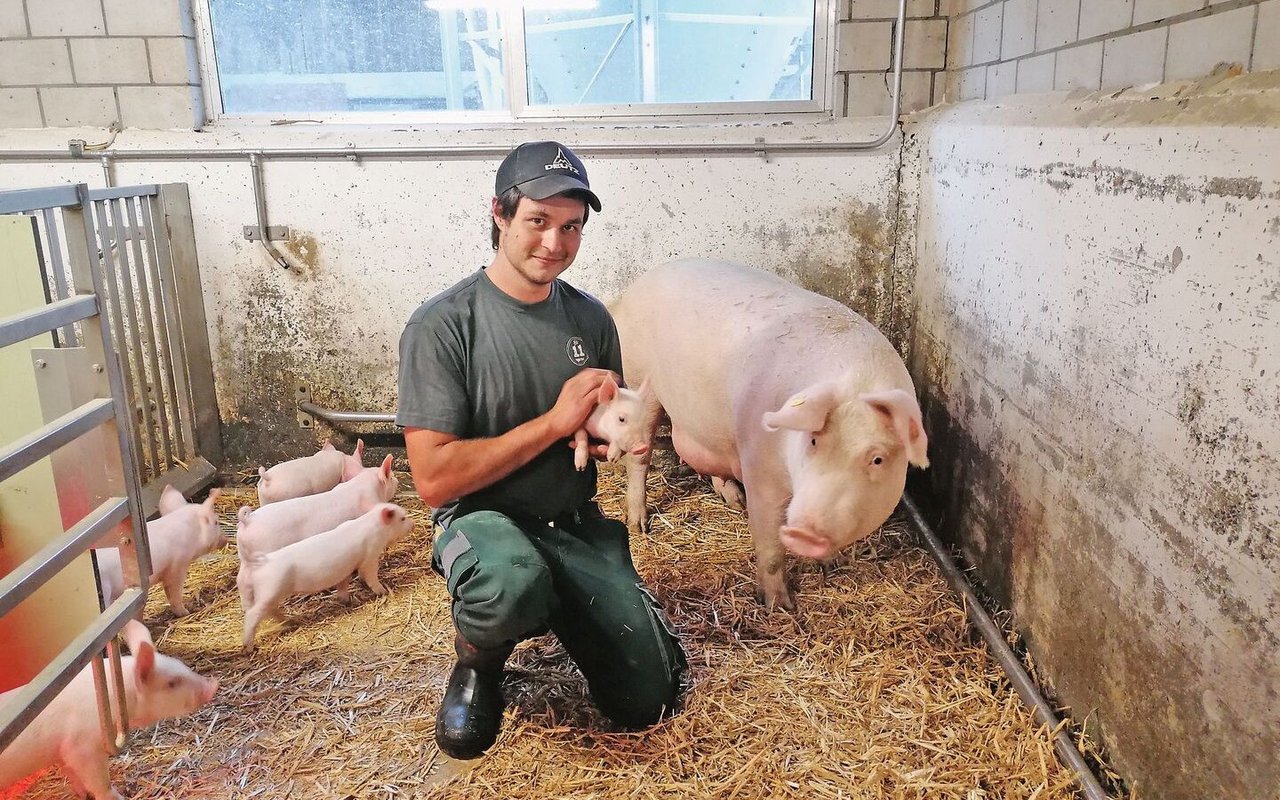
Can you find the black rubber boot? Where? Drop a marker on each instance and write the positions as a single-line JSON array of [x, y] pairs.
[[470, 714]]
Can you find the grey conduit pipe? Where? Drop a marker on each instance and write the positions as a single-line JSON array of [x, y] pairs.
[[1026, 688]]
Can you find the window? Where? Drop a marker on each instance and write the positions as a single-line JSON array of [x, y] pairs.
[[515, 58]]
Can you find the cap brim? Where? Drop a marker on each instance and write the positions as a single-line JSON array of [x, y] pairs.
[[549, 185]]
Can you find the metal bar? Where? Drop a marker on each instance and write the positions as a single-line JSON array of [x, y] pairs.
[[21, 327], [137, 354], [118, 192], [648, 51], [56, 555], [105, 285], [20, 201], [26, 702], [122, 705], [44, 440], [1026, 688], [179, 231], [617, 40], [142, 292], [126, 432], [260, 204], [443, 152], [67, 336], [330, 415], [102, 696], [167, 305]]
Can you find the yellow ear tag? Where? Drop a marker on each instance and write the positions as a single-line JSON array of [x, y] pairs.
[[798, 400]]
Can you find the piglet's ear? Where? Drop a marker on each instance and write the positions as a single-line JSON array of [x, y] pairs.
[[608, 390], [328, 445], [386, 466], [171, 500], [144, 659], [805, 411], [900, 411]]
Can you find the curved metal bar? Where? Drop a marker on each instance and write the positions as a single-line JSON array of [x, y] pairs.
[[1022, 682], [331, 415]]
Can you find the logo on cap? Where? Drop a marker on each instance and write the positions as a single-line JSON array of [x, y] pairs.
[[560, 162]]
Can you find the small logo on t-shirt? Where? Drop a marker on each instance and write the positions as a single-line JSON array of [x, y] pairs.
[[576, 351]]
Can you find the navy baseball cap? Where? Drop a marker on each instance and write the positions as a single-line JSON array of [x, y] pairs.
[[543, 169]]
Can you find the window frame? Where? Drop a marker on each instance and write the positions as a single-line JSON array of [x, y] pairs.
[[821, 106]]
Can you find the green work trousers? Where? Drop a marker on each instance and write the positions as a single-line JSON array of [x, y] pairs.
[[515, 578]]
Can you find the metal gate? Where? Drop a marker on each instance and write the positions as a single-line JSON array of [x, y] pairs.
[[134, 408]]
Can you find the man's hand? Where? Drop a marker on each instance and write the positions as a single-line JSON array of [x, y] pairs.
[[576, 401]]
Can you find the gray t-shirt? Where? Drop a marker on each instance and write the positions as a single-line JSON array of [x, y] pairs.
[[475, 362]]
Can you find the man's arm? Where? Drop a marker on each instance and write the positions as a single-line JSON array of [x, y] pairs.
[[445, 466]]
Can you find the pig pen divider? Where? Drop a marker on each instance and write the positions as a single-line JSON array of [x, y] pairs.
[[105, 407], [130, 361]]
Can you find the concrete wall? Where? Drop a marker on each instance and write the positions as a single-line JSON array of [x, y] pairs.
[[1097, 339], [1001, 47], [377, 238]]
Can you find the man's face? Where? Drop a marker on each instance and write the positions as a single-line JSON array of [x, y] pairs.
[[541, 240]]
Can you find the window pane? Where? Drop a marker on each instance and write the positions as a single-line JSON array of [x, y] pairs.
[[356, 55], [671, 51]]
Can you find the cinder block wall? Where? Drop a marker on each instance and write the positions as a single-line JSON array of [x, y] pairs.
[[1002, 47], [864, 60], [78, 63]]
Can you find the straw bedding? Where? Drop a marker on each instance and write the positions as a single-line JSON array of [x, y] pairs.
[[874, 688]]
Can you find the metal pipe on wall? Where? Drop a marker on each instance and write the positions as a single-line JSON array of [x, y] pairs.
[[1009, 662]]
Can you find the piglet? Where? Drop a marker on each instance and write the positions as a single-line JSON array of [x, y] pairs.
[[619, 419], [324, 561], [310, 475], [280, 524], [183, 532], [67, 732]]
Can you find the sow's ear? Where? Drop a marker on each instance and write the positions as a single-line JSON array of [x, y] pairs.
[[806, 410], [901, 412]]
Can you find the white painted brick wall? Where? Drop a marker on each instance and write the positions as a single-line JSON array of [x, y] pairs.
[[973, 83], [66, 17], [13, 20], [1197, 45], [1035, 74], [66, 106], [869, 92], [110, 60], [149, 17], [173, 60], [1100, 17], [863, 45], [34, 62], [960, 42], [1134, 59], [1152, 10], [1079, 67], [161, 106], [986, 34], [20, 108], [1266, 42], [1056, 23], [1019, 32], [925, 44], [1002, 79]]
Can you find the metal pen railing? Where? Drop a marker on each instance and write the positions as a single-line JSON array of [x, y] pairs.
[[81, 312]]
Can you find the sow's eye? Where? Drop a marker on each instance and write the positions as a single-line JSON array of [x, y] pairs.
[[877, 461]]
